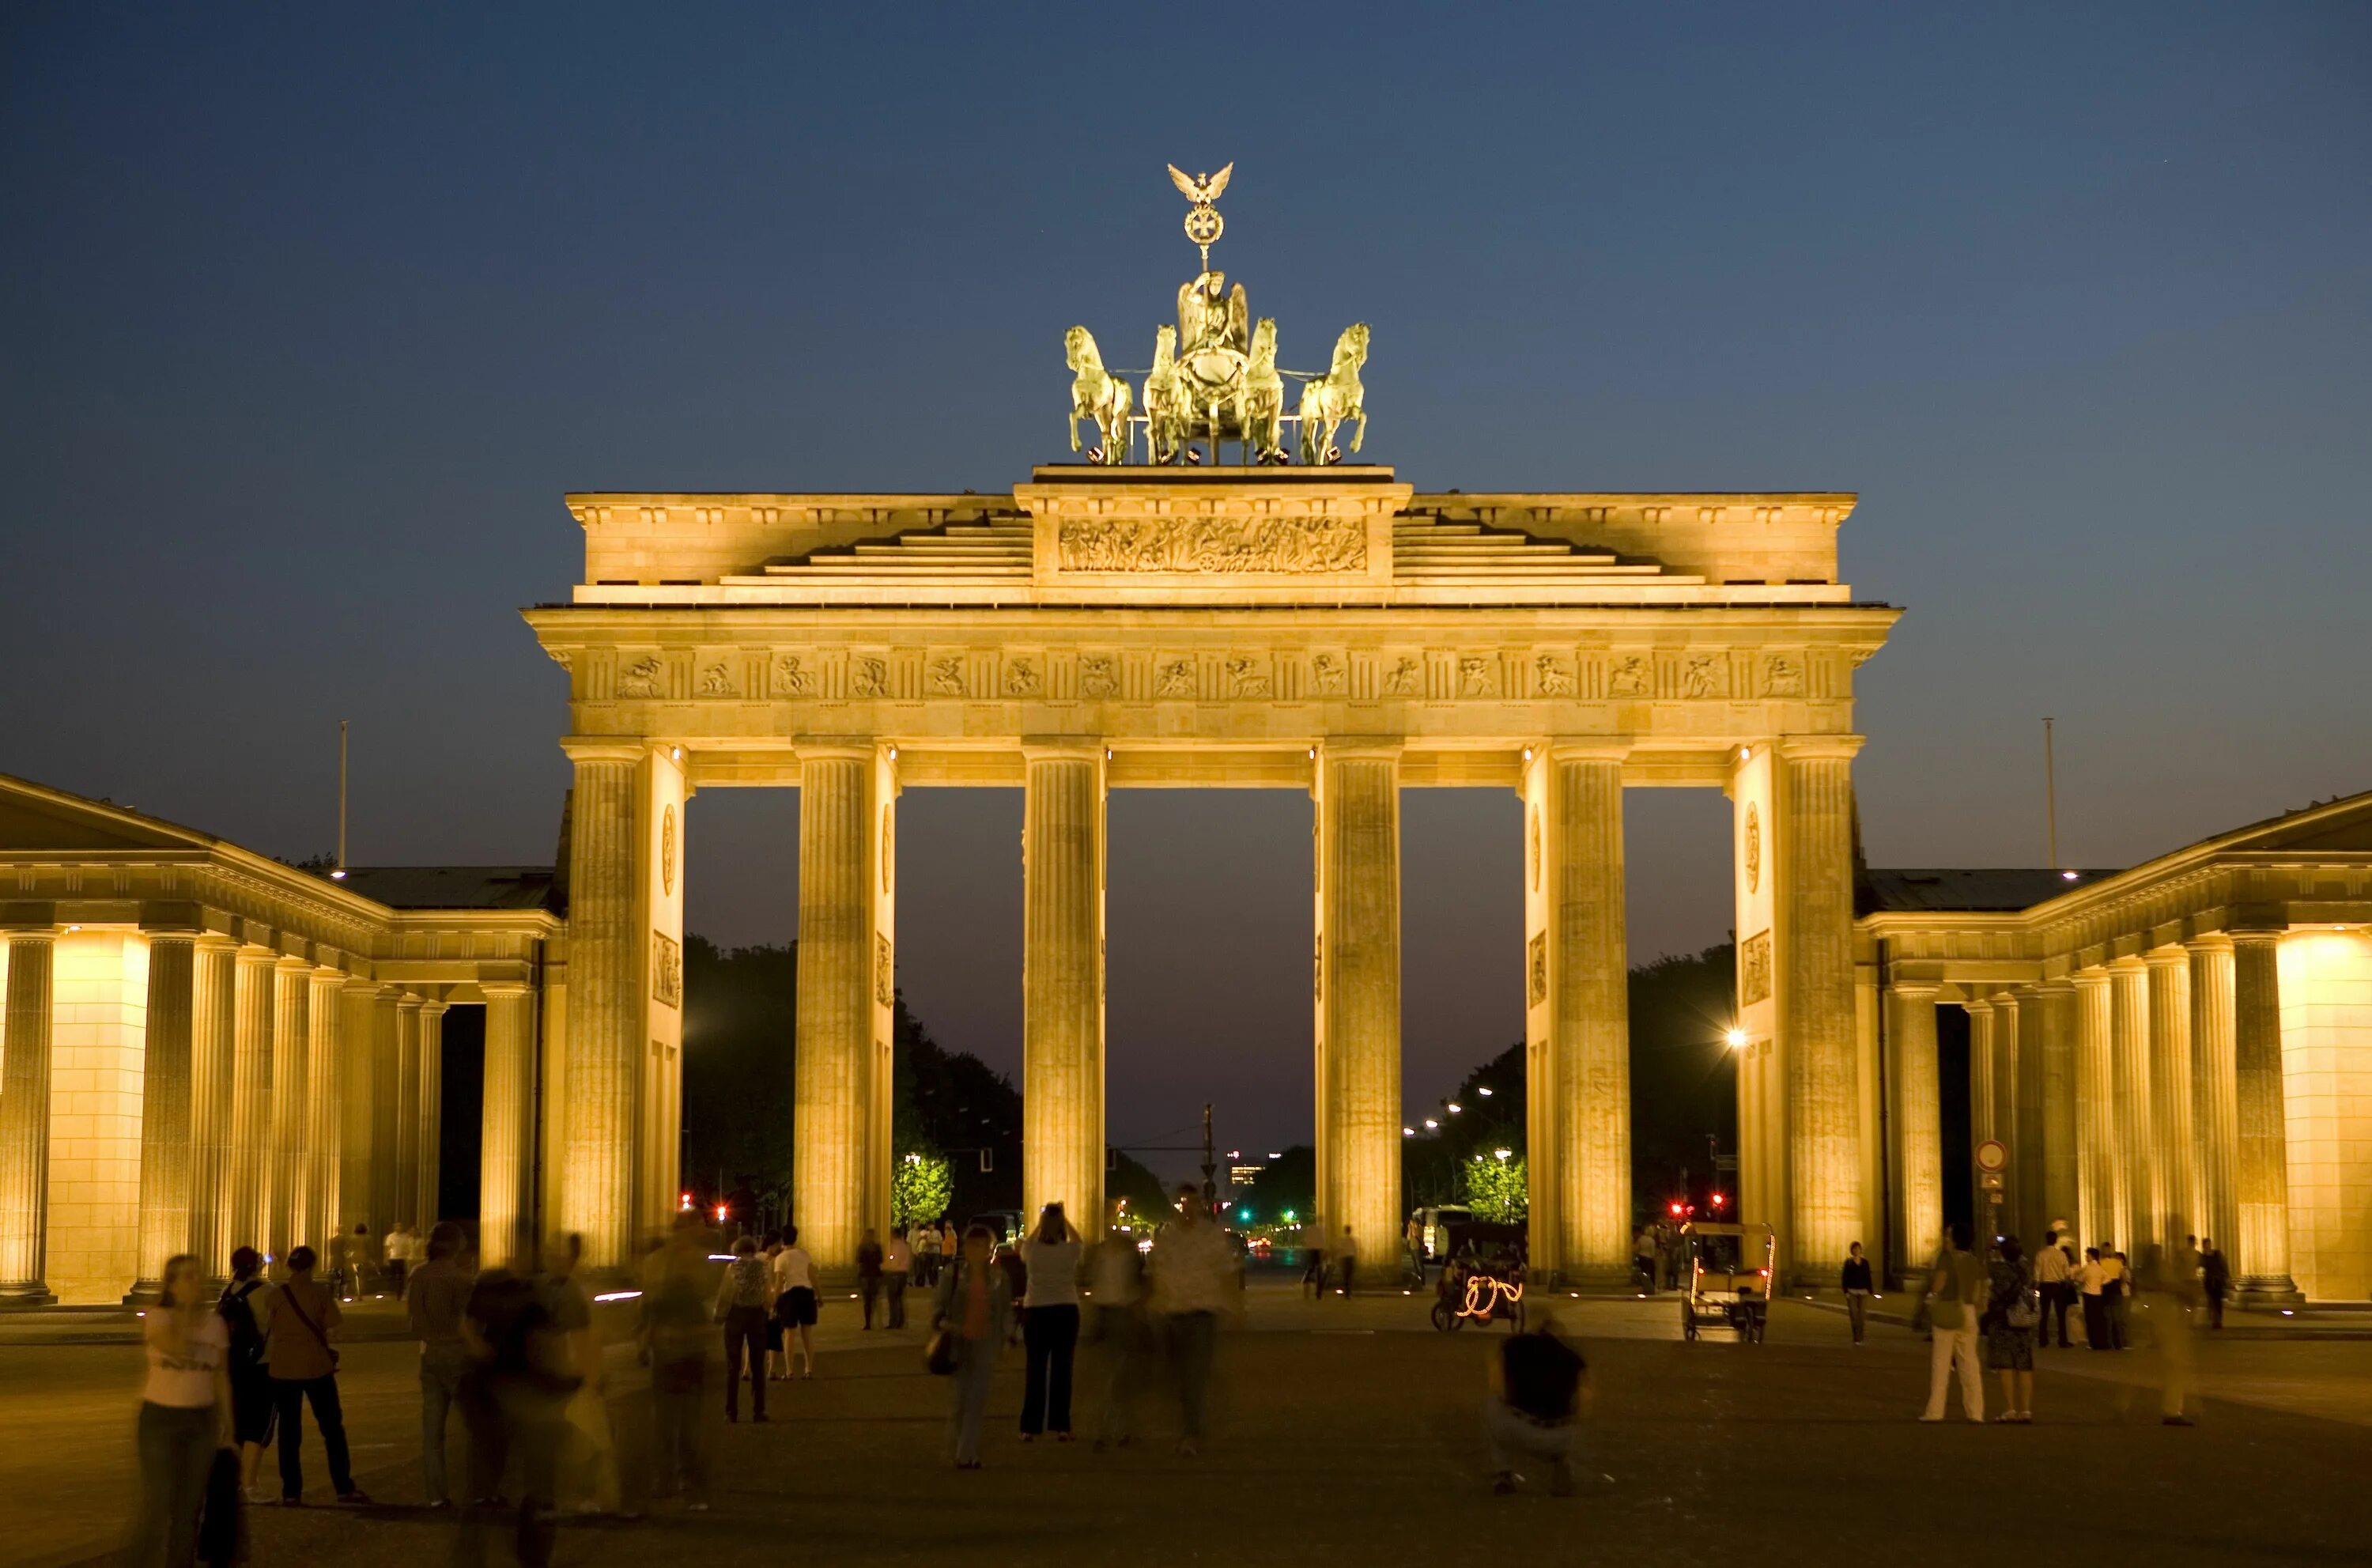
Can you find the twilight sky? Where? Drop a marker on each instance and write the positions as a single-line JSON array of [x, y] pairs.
[[308, 320]]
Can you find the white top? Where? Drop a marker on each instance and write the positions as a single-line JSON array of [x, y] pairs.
[[1053, 1271], [187, 1381], [1193, 1268], [2091, 1276], [2051, 1266], [794, 1270], [897, 1258]]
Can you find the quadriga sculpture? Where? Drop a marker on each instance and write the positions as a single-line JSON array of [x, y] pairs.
[[1096, 395], [1326, 405]]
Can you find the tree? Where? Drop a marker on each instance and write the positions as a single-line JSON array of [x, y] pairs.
[[1495, 1188], [922, 1185]]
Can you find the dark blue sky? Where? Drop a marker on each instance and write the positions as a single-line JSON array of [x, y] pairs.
[[308, 321]]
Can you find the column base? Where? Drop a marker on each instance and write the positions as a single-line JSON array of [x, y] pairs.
[[2267, 1290], [25, 1297], [146, 1292]]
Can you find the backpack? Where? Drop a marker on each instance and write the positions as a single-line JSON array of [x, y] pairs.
[[247, 1343]]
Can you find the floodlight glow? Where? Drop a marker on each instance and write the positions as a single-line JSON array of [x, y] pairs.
[[1736, 1038]]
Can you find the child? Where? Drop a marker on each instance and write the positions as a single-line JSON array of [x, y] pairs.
[[1538, 1386]]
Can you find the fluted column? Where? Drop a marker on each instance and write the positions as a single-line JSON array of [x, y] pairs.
[[2129, 1045], [2096, 1107], [2215, 1089], [2047, 1020], [165, 1153], [845, 991], [1987, 1087], [324, 1086], [507, 1137], [606, 1010], [1918, 1124], [1063, 985], [251, 1093], [25, 1118], [387, 1120], [292, 1047], [1358, 1001], [214, 1035], [407, 1085], [432, 1113], [355, 1106], [2173, 1143], [1816, 1002], [2262, 1145], [1577, 977]]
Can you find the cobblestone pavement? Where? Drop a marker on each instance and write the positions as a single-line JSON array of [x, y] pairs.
[[1350, 1430]]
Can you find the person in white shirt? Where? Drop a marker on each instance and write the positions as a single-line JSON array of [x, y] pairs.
[[2092, 1279], [2054, 1282], [184, 1415], [1049, 1324], [897, 1268], [795, 1299], [1194, 1279]]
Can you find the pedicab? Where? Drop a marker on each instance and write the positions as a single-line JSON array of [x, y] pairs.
[[1481, 1291], [1728, 1279]]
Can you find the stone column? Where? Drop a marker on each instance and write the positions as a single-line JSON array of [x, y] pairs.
[[2129, 1051], [2262, 1260], [357, 1106], [250, 1096], [213, 1034], [606, 1016], [432, 1113], [844, 980], [506, 1139], [407, 1110], [1063, 985], [1816, 1002], [2215, 1089], [25, 1118], [2096, 1097], [164, 1154], [387, 1118], [1918, 1125], [1358, 1001], [2175, 1189], [1988, 1085], [292, 1046], [2046, 1032], [324, 1087], [1578, 985]]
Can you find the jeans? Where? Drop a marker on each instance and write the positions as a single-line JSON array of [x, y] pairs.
[[2096, 1323], [1120, 1331], [1190, 1336], [177, 1446], [441, 1366], [745, 1329], [1052, 1337], [1857, 1308], [676, 1390], [896, 1283], [290, 1396], [1955, 1345], [869, 1287], [506, 1415], [2057, 1297], [1514, 1436], [975, 1363]]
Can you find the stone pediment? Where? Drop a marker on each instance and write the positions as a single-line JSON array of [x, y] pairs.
[[36, 817]]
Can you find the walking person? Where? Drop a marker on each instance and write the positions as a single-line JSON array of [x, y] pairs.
[[2054, 1284], [1955, 1291], [975, 1303], [2013, 1311], [897, 1268], [1855, 1282], [298, 1316], [2170, 1289], [435, 1300], [185, 1416], [1646, 1264], [1116, 1285], [674, 1333], [2117, 1292], [2214, 1280], [795, 1301], [1539, 1384], [778, 1368], [1194, 1279], [1049, 1324], [869, 1274], [926, 1254], [1313, 1272], [587, 1478], [399, 1255], [511, 1402], [250, 1378], [741, 1299], [2091, 1285], [1348, 1250]]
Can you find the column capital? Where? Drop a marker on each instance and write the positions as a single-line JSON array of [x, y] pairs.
[[491, 988], [2091, 979], [1377, 748], [27, 936], [1911, 989], [2130, 964], [431, 1008], [1587, 748], [820, 749], [2256, 935], [1819, 748], [605, 749], [2166, 957], [1064, 749], [2208, 942], [404, 999], [289, 963]]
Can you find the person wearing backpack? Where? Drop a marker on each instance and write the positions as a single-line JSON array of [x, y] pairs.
[[2012, 1312], [298, 1317], [251, 1379]]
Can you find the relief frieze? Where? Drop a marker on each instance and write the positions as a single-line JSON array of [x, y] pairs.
[[1213, 545]]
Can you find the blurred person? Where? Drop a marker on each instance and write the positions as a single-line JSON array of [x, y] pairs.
[[926, 1254], [1855, 1280], [362, 1254], [1194, 1279], [1313, 1271], [973, 1302], [2092, 1283], [185, 1416], [2055, 1285], [587, 1478], [2170, 1289], [1646, 1264], [511, 1400], [897, 1268], [435, 1300], [1955, 1291], [741, 1299], [778, 1367], [1346, 1248], [674, 1334], [1539, 1384], [298, 1315], [2116, 1292], [2214, 1280], [869, 1274], [250, 1378], [1116, 1286], [1049, 1324], [2013, 1311], [397, 1251], [795, 1300]]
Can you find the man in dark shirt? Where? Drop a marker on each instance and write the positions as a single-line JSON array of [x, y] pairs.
[[1538, 1386], [434, 1299]]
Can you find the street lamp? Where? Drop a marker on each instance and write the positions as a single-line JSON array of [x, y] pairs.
[[1736, 1038], [1431, 1125], [1483, 1090], [1456, 1108], [1502, 1154]]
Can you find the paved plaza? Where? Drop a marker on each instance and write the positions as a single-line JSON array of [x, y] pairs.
[[1348, 1432]]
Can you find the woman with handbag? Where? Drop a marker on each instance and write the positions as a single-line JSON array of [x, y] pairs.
[[2013, 1311], [251, 1379], [184, 1417], [971, 1312], [298, 1317]]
